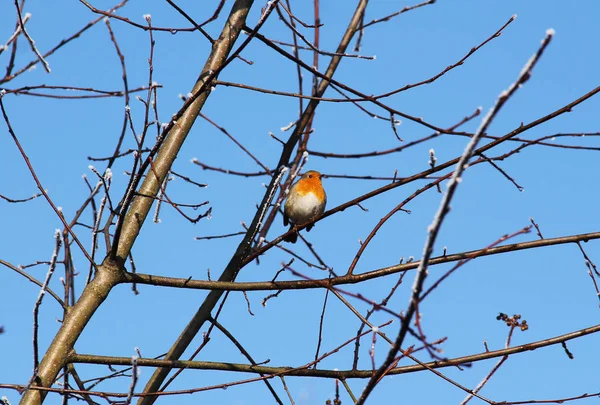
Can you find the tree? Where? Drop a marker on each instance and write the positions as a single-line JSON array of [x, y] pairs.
[[328, 318]]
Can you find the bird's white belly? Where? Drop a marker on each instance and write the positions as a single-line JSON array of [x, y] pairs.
[[303, 208]]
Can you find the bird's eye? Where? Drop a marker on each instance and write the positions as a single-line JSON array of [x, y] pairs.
[[310, 176]]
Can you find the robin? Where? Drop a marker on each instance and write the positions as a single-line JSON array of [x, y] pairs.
[[305, 202]]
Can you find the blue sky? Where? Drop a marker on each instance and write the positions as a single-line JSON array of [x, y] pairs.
[[549, 287]]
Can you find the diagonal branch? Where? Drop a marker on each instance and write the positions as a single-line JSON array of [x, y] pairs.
[[243, 249], [110, 272], [443, 210]]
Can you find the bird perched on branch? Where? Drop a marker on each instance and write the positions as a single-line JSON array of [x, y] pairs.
[[306, 201]]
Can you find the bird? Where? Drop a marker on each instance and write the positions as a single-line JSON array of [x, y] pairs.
[[306, 201]]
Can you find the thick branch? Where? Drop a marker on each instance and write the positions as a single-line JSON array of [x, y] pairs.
[[141, 205], [108, 275], [76, 319]]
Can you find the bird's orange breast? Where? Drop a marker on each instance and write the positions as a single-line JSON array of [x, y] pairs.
[[306, 186]]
